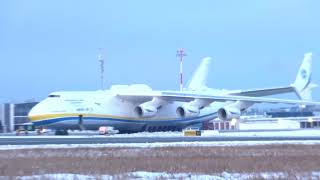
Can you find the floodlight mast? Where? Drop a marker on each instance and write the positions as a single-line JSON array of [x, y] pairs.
[[101, 61], [181, 53]]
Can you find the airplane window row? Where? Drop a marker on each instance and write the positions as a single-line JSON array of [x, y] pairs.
[[53, 95]]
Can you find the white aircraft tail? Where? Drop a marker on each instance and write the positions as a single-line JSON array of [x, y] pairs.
[[199, 78], [303, 84]]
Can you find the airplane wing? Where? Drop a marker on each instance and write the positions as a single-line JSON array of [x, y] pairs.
[[180, 96], [302, 86], [265, 92], [171, 96]]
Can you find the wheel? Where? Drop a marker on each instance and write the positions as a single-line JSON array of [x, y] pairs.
[[61, 132]]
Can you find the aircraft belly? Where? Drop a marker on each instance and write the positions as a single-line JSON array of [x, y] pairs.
[[127, 125]]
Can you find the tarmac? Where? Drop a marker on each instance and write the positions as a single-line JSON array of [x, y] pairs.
[[50, 140]]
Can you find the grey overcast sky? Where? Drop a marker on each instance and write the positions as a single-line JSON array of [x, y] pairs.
[[53, 45]]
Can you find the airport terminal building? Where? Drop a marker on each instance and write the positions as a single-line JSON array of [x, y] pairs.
[[12, 114]]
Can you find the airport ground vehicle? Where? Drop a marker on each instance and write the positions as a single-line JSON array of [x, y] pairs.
[[104, 130], [192, 132], [24, 128]]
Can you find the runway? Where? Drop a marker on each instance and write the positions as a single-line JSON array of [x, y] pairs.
[[117, 140]]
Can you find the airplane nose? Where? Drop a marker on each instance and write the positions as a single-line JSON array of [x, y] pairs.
[[35, 112], [46, 108]]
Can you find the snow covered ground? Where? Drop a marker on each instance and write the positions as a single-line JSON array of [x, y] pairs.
[[272, 124], [163, 175], [293, 133]]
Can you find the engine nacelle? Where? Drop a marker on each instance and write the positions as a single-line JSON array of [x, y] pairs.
[[187, 111], [228, 113], [144, 111]]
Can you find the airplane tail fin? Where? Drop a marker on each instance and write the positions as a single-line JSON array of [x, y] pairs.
[[303, 84], [199, 78]]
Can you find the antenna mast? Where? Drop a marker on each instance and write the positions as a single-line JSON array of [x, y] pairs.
[[181, 53]]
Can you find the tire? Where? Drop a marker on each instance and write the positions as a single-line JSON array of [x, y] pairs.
[[61, 132]]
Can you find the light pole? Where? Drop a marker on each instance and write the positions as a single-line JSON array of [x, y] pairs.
[[181, 53], [101, 60]]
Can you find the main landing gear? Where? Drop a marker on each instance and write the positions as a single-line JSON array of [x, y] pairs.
[[61, 132]]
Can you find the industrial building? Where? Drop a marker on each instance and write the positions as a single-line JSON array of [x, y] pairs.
[[273, 119], [13, 114], [264, 123]]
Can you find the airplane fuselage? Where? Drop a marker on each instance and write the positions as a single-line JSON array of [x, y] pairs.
[[69, 110]]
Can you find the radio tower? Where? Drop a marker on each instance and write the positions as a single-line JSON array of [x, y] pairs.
[[181, 53], [101, 60]]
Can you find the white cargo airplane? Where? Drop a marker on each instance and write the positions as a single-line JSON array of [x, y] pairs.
[[137, 108]]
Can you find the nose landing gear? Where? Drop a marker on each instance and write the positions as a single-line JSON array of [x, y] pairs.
[[80, 123]]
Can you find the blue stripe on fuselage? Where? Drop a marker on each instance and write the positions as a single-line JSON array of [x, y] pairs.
[[56, 120]]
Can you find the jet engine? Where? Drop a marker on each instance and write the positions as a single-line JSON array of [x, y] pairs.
[[145, 111], [229, 113], [150, 108], [187, 110]]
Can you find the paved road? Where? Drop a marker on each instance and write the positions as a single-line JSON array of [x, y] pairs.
[[106, 140]]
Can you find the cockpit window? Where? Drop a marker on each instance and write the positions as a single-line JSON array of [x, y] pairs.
[[53, 96]]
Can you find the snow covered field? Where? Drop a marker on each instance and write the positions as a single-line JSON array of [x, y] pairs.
[[164, 175], [201, 161]]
